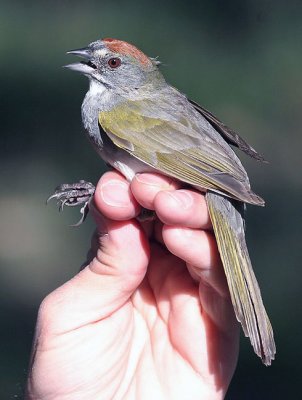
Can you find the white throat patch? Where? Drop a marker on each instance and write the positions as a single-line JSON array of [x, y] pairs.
[[96, 88]]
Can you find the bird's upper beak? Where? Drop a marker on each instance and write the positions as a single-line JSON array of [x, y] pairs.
[[85, 67], [85, 52]]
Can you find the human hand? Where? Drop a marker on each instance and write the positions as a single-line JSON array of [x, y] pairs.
[[150, 316]]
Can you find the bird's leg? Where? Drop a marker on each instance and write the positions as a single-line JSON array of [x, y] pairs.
[[74, 194]]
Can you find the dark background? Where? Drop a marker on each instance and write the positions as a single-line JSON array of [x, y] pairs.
[[241, 59]]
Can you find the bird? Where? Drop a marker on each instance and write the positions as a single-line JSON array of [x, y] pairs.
[[138, 122]]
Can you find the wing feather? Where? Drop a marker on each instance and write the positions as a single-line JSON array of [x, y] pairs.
[[172, 139], [227, 133]]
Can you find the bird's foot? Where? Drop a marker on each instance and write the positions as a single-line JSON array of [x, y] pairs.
[[74, 194]]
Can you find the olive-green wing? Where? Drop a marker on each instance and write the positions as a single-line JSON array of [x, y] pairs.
[[171, 141]]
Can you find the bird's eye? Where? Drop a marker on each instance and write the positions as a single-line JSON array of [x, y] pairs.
[[114, 62]]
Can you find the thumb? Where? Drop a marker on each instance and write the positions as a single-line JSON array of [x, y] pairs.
[[119, 259]]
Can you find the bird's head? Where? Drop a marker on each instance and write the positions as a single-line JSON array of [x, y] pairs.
[[117, 65]]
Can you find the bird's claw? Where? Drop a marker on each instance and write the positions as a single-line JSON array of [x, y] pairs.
[[84, 211], [74, 194]]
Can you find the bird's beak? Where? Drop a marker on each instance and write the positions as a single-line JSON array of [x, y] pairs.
[[85, 52], [85, 67]]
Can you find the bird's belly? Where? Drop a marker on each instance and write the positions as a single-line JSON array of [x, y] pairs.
[[126, 164]]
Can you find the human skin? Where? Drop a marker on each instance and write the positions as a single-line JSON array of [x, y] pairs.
[[150, 316]]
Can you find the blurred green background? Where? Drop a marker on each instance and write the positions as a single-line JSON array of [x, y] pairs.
[[241, 59]]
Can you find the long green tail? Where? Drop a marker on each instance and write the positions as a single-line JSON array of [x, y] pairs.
[[226, 216]]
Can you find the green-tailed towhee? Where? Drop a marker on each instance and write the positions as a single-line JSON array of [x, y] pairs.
[[139, 123]]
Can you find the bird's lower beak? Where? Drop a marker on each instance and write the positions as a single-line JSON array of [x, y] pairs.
[[85, 67]]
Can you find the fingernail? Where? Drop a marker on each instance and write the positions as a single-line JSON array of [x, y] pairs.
[[115, 193], [152, 179], [182, 198]]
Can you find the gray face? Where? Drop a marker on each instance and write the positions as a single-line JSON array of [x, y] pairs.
[[112, 70]]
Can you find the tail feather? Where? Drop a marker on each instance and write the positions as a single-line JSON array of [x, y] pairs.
[[226, 216]]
